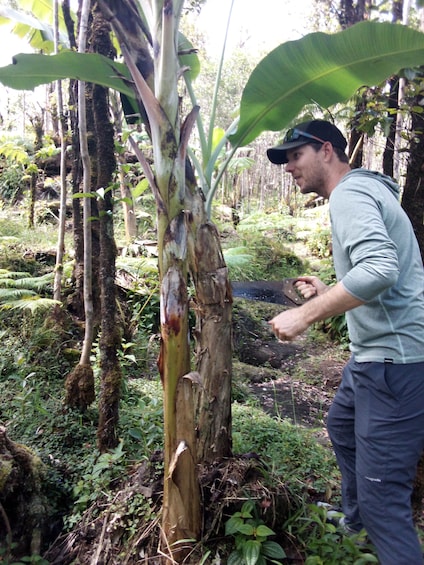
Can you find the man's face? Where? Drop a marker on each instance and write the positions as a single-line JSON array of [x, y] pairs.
[[306, 167]]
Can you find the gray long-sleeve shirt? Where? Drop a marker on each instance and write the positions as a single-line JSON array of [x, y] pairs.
[[377, 259]]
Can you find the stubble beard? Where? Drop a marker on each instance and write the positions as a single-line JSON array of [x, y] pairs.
[[315, 184]]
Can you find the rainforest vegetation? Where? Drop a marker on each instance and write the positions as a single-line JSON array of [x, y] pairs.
[[147, 414]]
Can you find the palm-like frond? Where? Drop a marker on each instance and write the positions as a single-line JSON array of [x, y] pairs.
[[26, 282], [19, 291], [5, 274], [11, 294], [33, 303]]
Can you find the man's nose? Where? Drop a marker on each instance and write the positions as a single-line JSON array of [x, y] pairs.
[[289, 167]]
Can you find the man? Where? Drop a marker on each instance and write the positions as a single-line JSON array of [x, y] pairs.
[[376, 421]]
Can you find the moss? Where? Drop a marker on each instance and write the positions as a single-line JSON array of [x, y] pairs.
[[6, 466], [79, 387]]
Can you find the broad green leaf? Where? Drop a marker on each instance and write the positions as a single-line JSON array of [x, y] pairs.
[[366, 559], [251, 551], [33, 22], [187, 56], [233, 525], [247, 509], [273, 550], [323, 69], [30, 70], [263, 530], [217, 134], [140, 188], [246, 529], [235, 558]]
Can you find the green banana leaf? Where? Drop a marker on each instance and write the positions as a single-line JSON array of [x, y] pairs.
[[323, 69], [33, 22], [30, 70]]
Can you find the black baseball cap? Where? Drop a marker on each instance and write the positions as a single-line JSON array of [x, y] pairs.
[[314, 131]]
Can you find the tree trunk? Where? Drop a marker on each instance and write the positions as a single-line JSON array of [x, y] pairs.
[[349, 14], [413, 193], [389, 149], [23, 505], [111, 374], [32, 190], [80, 382], [60, 249], [75, 302], [393, 104]]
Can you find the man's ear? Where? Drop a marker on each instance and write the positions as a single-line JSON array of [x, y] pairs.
[[328, 150]]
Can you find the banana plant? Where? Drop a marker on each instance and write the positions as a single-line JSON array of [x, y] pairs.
[[319, 68]]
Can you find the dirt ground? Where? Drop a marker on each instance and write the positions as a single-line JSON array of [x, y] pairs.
[[295, 380]]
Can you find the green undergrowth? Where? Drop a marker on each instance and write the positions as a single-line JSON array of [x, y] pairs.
[[290, 452], [36, 357]]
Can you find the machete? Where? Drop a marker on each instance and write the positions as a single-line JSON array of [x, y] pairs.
[[276, 292]]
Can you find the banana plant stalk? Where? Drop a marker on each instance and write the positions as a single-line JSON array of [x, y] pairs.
[[181, 499]]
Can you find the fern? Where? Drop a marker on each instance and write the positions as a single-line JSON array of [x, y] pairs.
[[237, 256], [24, 280], [4, 273], [8, 294], [14, 152], [19, 291], [33, 303]]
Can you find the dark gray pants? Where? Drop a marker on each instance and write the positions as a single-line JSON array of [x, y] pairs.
[[376, 425]]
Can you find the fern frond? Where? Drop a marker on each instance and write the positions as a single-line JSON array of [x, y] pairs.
[[237, 256], [31, 283], [14, 152], [33, 303], [10, 294], [36, 283], [9, 283], [4, 273]]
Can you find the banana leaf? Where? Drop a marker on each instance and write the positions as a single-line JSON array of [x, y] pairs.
[[324, 69]]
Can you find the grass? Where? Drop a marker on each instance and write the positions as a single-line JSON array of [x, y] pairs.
[[290, 451]]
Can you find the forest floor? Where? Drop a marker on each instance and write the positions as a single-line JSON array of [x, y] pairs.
[[292, 381], [295, 381]]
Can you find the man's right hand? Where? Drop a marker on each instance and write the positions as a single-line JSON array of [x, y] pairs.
[[310, 286]]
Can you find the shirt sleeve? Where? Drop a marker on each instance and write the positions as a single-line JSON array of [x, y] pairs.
[[365, 256]]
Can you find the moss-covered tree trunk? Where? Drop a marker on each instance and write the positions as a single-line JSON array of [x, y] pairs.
[[23, 505], [413, 204], [110, 374], [79, 383]]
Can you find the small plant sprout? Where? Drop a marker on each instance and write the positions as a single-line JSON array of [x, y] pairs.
[[251, 539]]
